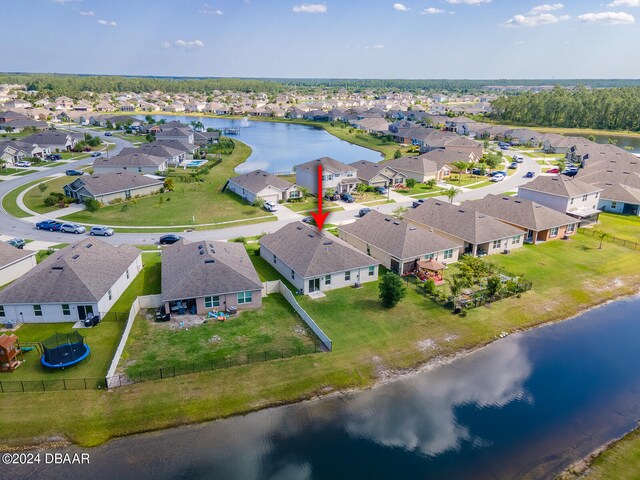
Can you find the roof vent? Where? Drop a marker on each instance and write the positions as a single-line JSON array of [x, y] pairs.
[[311, 235], [200, 247], [329, 242], [396, 223], [210, 261], [412, 228], [201, 252], [387, 219], [76, 256], [299, 228], [57, 268], [89, 245]]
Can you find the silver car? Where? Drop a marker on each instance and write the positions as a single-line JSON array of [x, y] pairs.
[[104, 231], [72, 228]]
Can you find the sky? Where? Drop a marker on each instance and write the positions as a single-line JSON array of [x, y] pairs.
[[485, 39]]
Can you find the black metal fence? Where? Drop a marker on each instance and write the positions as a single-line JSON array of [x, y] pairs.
[[57, 385], [632, 244], [188, 368]]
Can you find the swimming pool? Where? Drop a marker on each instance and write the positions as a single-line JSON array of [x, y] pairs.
[[196, 163]]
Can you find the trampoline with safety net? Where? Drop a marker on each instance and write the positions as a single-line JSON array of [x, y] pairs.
[[63, 350]]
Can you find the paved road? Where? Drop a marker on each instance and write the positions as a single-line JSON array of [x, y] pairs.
[[15, 227]]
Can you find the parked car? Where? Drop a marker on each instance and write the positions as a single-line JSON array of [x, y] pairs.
[[530, 175], [553, 170], [417, 203], [270, 206], [53, 156], [17, 242], [346, 197], [309, 220], [50, 225], [363, 212], [22, 163], [499, 172], [504, 147], [103, 231], [74, 173], [96, 154], [497, 178], [513, 165], [333, 197], [381, 190], [108, 134], [72, 228], [518, 158], [169, 239], [570, 173], [477, 171]]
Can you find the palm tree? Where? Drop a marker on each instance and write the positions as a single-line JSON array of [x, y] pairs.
[[451, 193], [460, 167], [601, 235], [456, 284]]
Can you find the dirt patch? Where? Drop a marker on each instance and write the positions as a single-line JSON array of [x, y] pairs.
[[427, 344], [300, 330], [215, 339]]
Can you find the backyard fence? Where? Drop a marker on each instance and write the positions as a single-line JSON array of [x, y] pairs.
[[632, 244], [53, 385]]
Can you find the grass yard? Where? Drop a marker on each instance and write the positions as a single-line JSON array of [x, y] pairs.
[[188, 204], [34, 198], [9, 201], [480, 184], [311, 204], [368, 197], [378, 202], [273, 328], [467, 179], [621, 461], [102, 339], [620, 226], [386, 147], [417, 189]]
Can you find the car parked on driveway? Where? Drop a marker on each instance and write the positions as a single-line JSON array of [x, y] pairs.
[[381, 190], [54, 156], [270, 206], [72, 228], [51, 225], [74, 173], [499, 172], [102, 231], [346, 197], [518, 158], [553, 170], [22, 164], [17, 242], [363, 212], [169, 239]]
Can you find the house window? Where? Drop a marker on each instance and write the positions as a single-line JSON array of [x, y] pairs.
[[554, 232], [430, 256], [127, 194], [614, 204], [327, 279], [66, 310], [294, 194], [244, 297], [347, 276], [448, 254], [139, 169], [572, 201], [1, 312], [37, 310], [349, 174], [585, 197], [571, 228], [110, 296], [127, 274], [497, 243], [210, 302], [372, 270], [515, 240], [274, 258]]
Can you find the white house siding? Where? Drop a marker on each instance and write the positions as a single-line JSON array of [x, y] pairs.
[[238, 190], [15, 270], [281, 267], [309, 179], [608, 206], [118, 288], [150, 170]]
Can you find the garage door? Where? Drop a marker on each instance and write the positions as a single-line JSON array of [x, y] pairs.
[[271, 198]]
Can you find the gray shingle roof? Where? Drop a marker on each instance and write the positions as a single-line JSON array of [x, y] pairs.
[[469, 225], [259, 180], [104, 183], [519, 211], [560, 185], [82, 272], [327, 163], [312, 254], [133, 159], [368, 170], [10, 254], [420, 164], [198, 269], [399, 238]]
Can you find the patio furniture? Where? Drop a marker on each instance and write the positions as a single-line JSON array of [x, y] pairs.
[[431, 269]]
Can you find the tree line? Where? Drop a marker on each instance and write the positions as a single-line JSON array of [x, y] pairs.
[[609, 109]]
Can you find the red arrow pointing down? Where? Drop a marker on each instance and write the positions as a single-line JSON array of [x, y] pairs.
[[319, 217]]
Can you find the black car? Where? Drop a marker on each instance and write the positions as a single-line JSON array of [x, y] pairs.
[[417, 203], [169, 239], [363, 212], [345, 197], [74, 173], [53, 156], [309, 220]]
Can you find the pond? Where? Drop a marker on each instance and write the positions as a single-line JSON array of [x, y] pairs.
[[277, 147], [622, 141], [525, 406]]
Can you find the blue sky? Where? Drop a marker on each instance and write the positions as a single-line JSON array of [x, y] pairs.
[[324, 38]]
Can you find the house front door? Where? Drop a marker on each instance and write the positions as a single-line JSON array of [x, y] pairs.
[[84, 310], [314, 285]]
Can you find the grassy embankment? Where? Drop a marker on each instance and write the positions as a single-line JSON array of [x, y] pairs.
[[368, 341]]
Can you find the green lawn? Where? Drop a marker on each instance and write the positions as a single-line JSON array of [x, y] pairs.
[[386, 147], [34, 198], [418, 188], [467, 179], [9, 201], [189, 203], [311, 204], [369, 341], [102, 339], [274, 328], [621, 461], [480, 184], [620, 226]]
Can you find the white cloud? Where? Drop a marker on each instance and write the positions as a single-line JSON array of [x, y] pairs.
[[431, 11], [189, 43], [62, 2], [519, 42], [608, 18], [109, 23], [209, 10], [378, 46], [545, 8], [87, 14], [467, 2], [624, 3], [165, 44], [535, 20], [310, 8], [400, 7]]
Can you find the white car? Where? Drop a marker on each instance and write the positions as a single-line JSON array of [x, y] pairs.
[[270, 206], [497, 178], [72, 228], [23, 164], [518, 158]]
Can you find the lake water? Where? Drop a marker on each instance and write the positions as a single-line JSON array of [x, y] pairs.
[[277, 147], [622, 141], [526, 406]]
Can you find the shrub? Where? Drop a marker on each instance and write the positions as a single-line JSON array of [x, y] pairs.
[[242, 240], [391, 290], [168, 184], [42, 187], [411, 182], [91, 204], [430, 287]]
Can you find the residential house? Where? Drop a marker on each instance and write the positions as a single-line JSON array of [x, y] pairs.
[[12, 151], [420, 168], [397, 244], [266, 186], [14, 263], [84, 278], [183, 135], [206, 138], [316, 261], [564, 194], [481, 234], [112, 187], [199, 277], [340, 177], [522, 136], [54, 140], [446, 140], [541, 223], [138, 162], [174, 156], [378, 174]]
